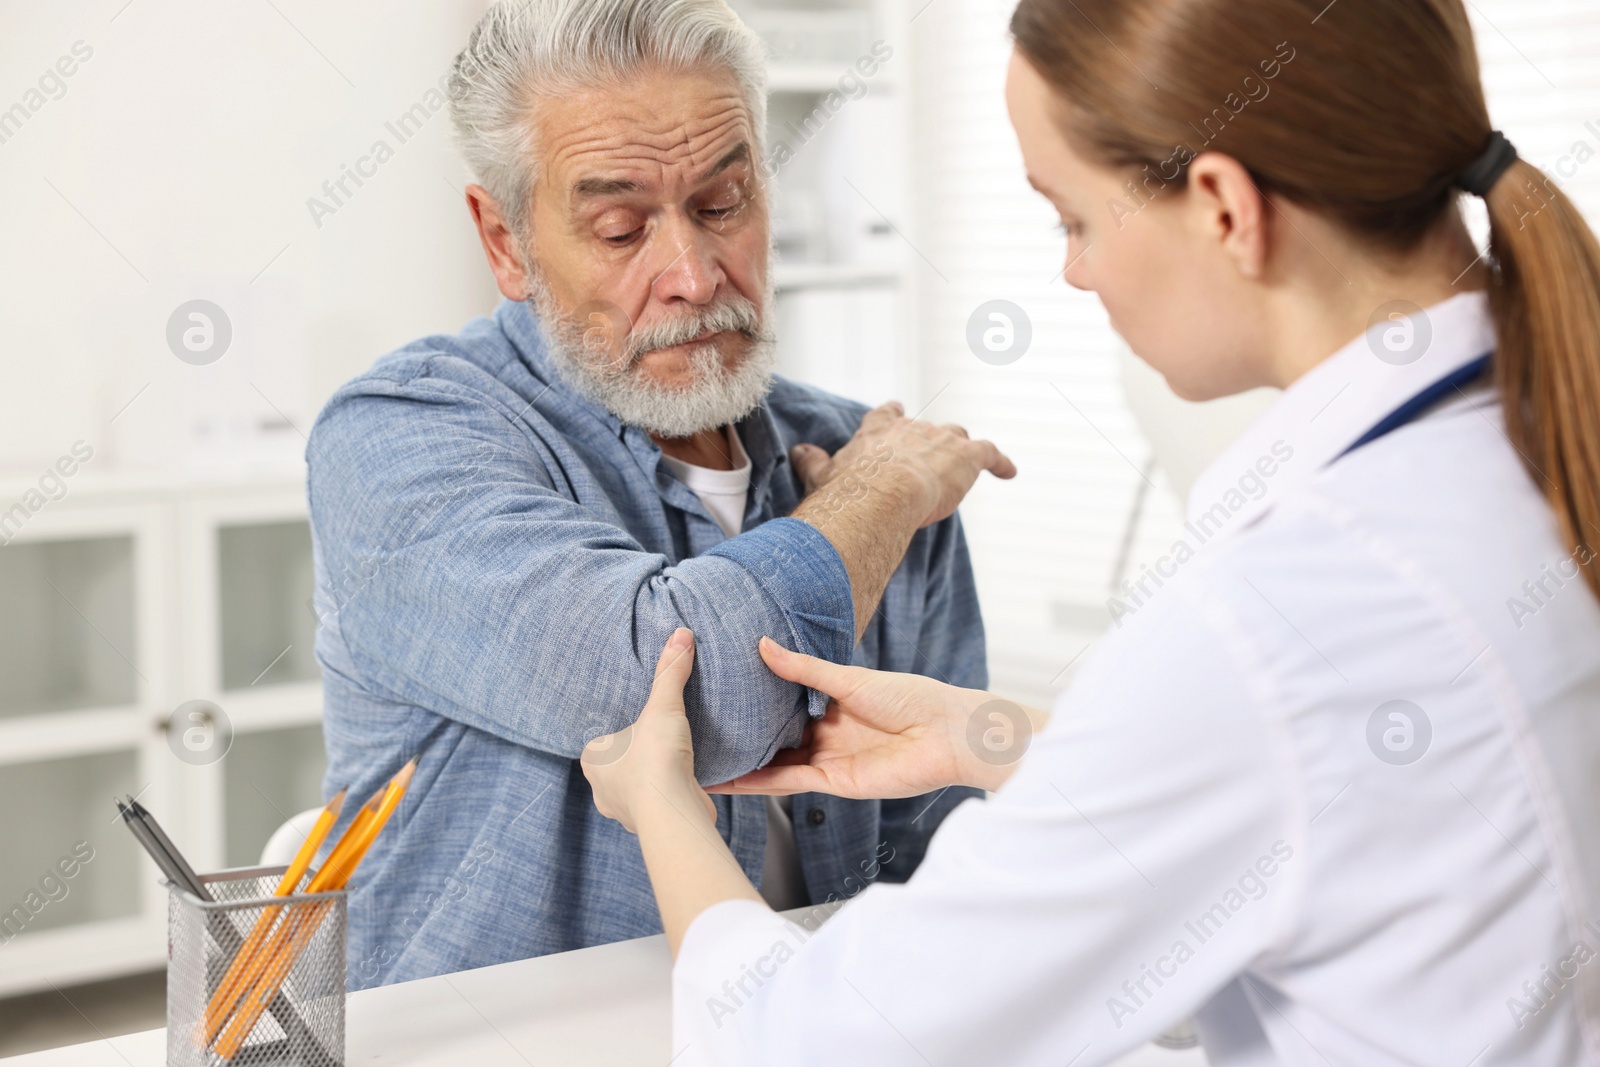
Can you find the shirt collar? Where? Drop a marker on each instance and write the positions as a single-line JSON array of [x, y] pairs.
[[1329, 408]]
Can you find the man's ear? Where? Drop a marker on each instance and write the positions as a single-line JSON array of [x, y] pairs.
[[1230, 208], [499, 244]]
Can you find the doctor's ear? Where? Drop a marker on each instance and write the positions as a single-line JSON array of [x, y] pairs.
[[1227, 206]]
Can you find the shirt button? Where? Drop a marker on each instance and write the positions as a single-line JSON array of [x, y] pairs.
[[816, 817]]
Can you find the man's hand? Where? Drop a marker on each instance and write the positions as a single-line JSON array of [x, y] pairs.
[[934, 466], [895, 476]]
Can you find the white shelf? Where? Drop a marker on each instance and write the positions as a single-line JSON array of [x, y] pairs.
[[86, 953], [67, 864], [834, 275], [273, 707], [109, 484], [817, 79], [28, 738]]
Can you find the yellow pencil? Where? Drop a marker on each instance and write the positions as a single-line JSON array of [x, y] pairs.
[[292, 936], [233, 985], [250, 973]]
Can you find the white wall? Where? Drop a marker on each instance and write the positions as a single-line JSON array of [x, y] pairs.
[[177, 164]]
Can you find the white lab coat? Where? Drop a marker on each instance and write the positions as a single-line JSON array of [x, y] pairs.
[[1227, 817]]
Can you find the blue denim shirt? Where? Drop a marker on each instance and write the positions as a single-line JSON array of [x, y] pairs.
[[499, 562]]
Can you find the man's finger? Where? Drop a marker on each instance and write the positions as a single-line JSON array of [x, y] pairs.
[[884, 413], [995, 461], [819, 674], [811, 463], [672, 671]]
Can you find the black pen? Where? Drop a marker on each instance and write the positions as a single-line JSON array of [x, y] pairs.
[[142, 834], [189, 880]]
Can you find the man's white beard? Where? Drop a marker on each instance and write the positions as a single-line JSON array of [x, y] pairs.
[[611, 376]]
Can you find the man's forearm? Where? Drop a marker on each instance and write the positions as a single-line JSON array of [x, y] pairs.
[[868, 513]]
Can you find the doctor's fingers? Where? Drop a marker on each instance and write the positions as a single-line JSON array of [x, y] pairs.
[[819, 674], [776, 780], [672, 671]]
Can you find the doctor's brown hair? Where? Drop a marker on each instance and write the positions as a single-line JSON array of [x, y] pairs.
[[1366, 111]]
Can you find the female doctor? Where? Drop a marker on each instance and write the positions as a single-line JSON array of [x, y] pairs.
[[1333, 787]]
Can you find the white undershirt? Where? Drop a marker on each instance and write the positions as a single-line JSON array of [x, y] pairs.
[[724, 493]]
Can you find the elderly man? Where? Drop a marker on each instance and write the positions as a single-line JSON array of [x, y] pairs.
[[510, 521]]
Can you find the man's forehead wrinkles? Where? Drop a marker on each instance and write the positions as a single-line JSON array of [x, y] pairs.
[[653, 127], [670, 146], [616, 167]]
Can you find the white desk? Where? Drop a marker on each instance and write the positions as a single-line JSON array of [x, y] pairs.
[[601, 1006]]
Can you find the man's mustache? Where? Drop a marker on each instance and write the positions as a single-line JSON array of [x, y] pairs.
[[733, 315]]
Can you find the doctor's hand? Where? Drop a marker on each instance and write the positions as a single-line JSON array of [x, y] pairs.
[[884, 735], [649, 766]]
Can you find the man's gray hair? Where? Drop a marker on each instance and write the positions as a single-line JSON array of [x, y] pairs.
[[525, 52]]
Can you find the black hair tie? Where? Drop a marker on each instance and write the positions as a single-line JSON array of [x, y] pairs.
[[1480, 177]]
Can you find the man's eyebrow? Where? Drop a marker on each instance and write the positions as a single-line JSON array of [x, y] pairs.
[[589, 188], [592, 187], [740, 154]]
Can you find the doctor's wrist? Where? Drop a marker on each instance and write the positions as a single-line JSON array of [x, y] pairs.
[[990, 736], [671, 803]]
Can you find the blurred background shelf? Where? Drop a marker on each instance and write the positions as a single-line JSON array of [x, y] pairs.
[[838, 153], [791, 277]]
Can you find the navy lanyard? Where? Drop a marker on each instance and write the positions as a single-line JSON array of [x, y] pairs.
[[1424, 401]]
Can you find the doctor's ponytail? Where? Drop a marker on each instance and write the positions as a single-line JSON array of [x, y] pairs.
[[1545, 291], [1370, 112]]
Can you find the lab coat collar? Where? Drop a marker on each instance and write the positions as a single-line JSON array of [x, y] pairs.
[[1328, 409]]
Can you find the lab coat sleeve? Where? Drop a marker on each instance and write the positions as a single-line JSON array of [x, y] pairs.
[[1147, 850]]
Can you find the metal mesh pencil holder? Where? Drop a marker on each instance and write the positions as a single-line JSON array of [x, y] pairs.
[[255, 979]]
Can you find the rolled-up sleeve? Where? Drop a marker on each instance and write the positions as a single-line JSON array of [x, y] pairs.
[[801, 573], [456, 575]]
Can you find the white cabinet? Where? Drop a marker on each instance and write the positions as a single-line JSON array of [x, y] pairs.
[[122, 603]]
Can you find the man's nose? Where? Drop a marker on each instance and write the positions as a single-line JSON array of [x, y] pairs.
[[688, 268]]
